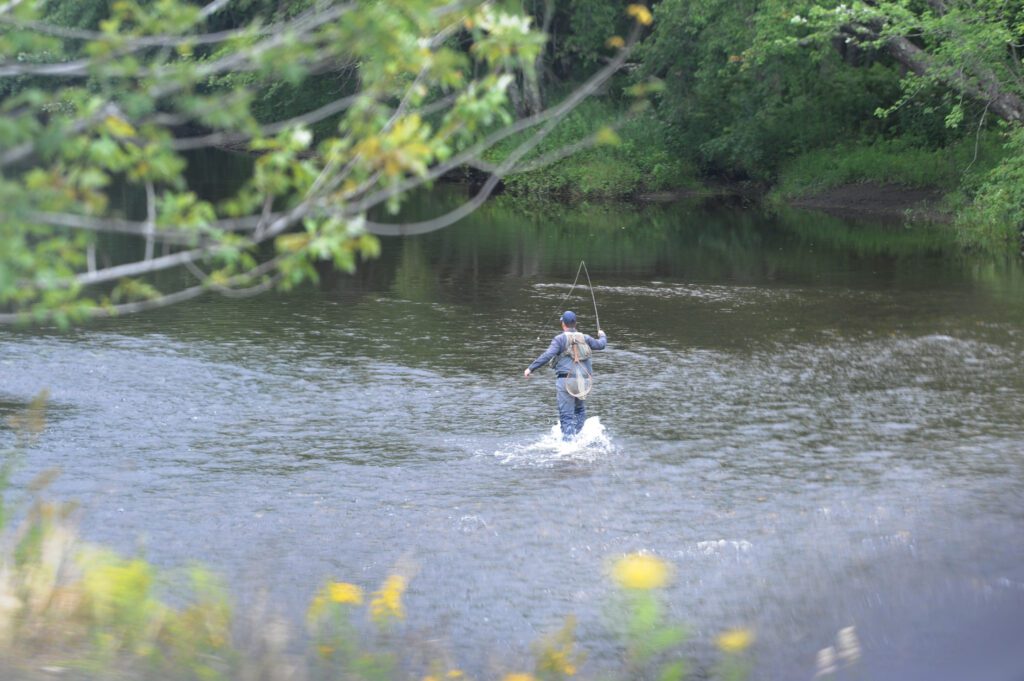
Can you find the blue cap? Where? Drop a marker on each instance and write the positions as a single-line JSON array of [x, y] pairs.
[[569, 318]]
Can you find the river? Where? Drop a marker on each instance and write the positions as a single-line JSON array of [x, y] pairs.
[[818, 421]]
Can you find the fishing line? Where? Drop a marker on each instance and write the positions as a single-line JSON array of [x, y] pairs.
[[561, 304]]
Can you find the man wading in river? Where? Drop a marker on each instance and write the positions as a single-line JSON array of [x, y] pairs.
[[566, 349]]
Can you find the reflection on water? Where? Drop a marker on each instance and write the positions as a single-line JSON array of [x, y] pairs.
[[819, 422]]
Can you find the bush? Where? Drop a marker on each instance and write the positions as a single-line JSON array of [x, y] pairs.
[[636, 159], [888, 162], [996, 215]]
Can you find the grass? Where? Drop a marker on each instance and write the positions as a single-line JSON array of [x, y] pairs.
[[888, 162]]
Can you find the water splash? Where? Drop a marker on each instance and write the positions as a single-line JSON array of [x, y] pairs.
[[590, 444]]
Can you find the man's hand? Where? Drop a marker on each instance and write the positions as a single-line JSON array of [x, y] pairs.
[[601, 334], [526, 374]]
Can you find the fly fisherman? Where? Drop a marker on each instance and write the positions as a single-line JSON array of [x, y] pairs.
[[572, 411]]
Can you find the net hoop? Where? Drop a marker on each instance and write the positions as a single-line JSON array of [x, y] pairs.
[[579, 382]]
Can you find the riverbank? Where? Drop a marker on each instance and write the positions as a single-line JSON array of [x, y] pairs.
[[880, 178], [880, 200], [873, 199]]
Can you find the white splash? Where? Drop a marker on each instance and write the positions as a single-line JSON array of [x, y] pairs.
[[717, 546], [591, 443]]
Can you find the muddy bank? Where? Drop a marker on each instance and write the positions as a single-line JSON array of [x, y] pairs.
[[883, 200], [864, 198]]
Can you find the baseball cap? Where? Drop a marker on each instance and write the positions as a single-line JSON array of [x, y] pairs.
[[569, 318]]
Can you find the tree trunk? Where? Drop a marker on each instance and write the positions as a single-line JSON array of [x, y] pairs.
[[532, 85], [986, 86]]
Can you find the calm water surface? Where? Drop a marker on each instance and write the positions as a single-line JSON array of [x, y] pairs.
[[819, 422]]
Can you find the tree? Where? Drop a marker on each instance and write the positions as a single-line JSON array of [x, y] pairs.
[[119, 105], [743, 108], [968, 49]]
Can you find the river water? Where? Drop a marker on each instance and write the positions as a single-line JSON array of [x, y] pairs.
[[819, 422]]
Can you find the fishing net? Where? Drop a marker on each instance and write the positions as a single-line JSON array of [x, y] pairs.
[[579, 382]]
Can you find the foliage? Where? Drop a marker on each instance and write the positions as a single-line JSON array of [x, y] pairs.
[[581, 30], [631, 159], [742, 116], [889, 162], [647, 634], [113, 100], [996, 217]]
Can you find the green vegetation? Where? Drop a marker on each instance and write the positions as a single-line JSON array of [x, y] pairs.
[[344, 108], [890, 162], [801, 97], [630, 160], [995, 216]]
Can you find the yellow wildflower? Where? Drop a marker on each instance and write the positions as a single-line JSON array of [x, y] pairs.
[[615, 42], [735, 640], [325, 650], [557, 652], [342, 592], [641, 14], [454, 674], [387, 603], [640, 571], [519, 677]]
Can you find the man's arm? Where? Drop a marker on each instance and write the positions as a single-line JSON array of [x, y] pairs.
[[599, 343], [553, 351]]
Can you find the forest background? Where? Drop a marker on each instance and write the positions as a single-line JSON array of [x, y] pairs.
[[796, 98], [560, 98]]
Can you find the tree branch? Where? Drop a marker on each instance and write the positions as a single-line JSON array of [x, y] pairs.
[[299, 27], [1006, 105], [424, 227], [473, 152], [309, 118]]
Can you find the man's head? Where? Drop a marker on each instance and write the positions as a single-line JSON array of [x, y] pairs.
[[568, 320]]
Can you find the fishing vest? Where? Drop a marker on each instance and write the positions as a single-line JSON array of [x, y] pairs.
[[578, 380], [576, 347]]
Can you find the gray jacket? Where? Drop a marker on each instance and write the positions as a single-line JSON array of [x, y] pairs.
[[563, 363]]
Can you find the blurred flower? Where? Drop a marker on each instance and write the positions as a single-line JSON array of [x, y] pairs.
[[387, 602], [455, 674], [342, 592], [641, 14], [735, 640], [849, 645], [519, 677], [616, 42], [826, 662], [640, 571], [557, 657]]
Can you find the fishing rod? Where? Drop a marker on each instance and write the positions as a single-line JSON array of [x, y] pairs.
[[597, 319]]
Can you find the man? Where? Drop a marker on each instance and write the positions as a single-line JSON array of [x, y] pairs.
[[572, 411]]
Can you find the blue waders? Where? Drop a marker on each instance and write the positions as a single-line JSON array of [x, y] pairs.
[[572, 411]]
